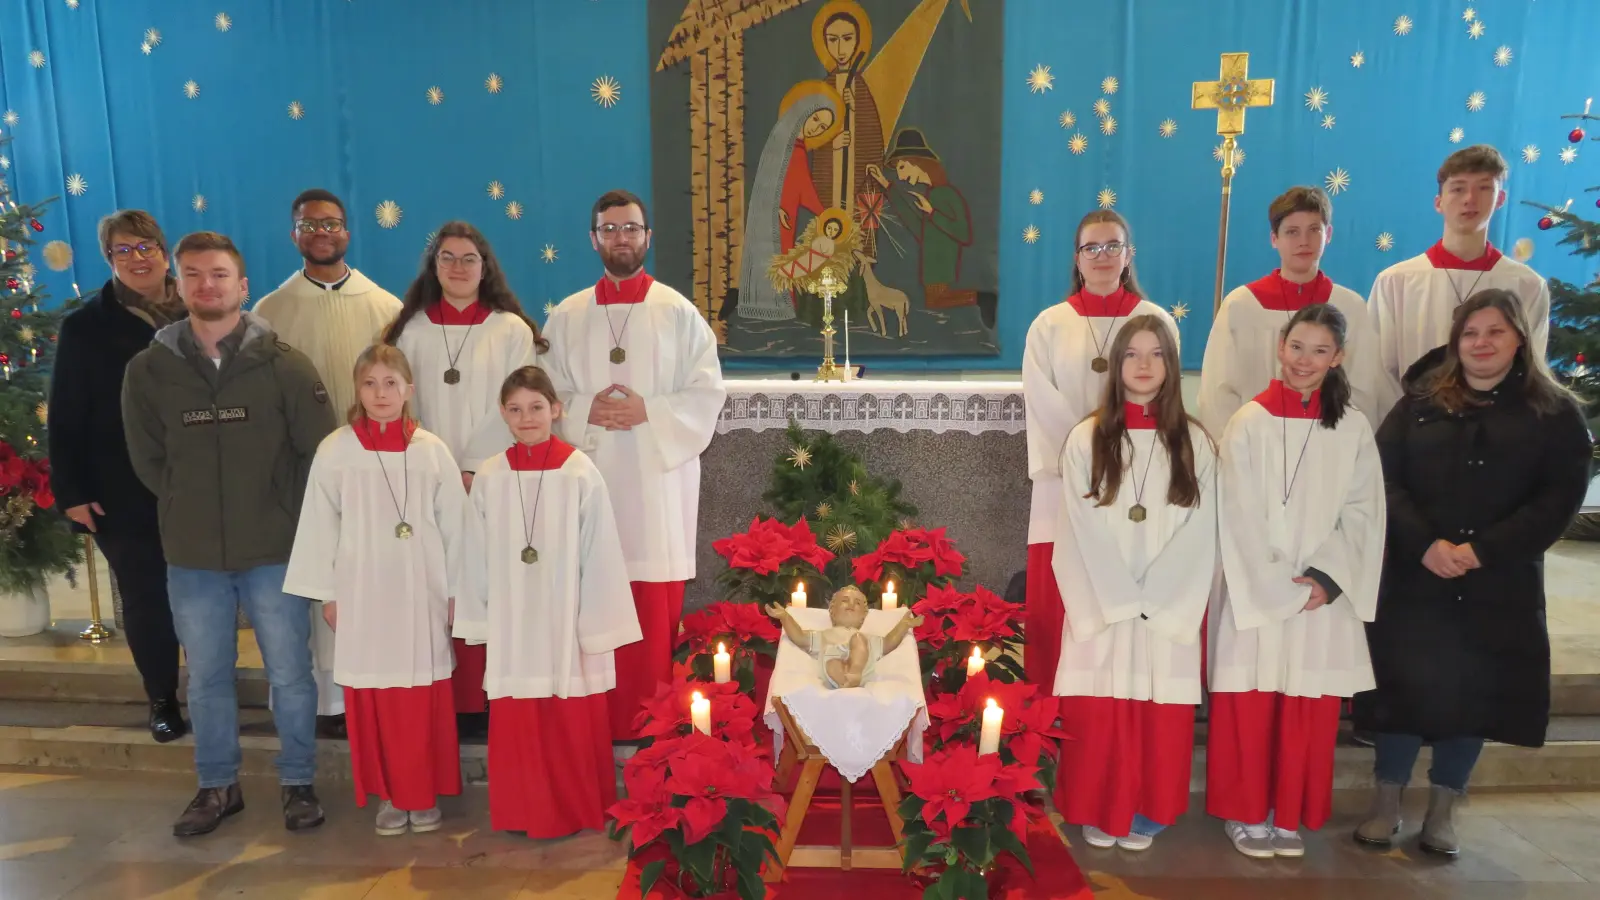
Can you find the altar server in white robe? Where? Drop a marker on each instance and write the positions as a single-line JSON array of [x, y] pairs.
[[330, 312], [380, 544], [1413, 303], [1302, 525], [1065, 367], [635, 365], [548, 590], [464, 331], [1242, 352], [1134, 557]]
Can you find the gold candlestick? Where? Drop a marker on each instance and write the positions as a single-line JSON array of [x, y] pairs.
[[97, 632], [828, 287]]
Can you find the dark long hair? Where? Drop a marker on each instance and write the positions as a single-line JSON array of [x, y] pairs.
[[1336, 384], [1130, 280], [1172, 422], [1446, 385], [493, 291]]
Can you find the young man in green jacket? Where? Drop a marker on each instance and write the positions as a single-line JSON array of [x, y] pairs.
[[222, 420]]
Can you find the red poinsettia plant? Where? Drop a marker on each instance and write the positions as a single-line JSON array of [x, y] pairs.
[[700, 813], [914, 559], [957, 623], [745, 631], [961, 813], [35, 539], [1029, 731], [766, 561]]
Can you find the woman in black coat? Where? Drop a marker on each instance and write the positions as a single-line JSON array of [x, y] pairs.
[[1486, 461]]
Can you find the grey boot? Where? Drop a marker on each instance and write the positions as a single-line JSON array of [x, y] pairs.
[[1383, 822], [1438, 829]]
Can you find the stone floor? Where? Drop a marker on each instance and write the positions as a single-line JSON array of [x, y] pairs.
[[67, 836]]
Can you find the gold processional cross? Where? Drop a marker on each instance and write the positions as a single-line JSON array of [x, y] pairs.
[[1230, 95]]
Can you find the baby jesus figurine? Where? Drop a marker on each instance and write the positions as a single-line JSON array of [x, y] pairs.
[[847, 656]]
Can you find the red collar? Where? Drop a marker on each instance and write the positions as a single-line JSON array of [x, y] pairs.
[[1279, 293], [632, 290], [445, 313], [548, 454], [1138, 417], [1444, 259], [383, 436], [1093, 306], [1286, 403]]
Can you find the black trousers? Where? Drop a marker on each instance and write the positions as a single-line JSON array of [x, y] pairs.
[[141, 571]]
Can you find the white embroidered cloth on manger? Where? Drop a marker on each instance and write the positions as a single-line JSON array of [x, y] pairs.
[[853, 727]]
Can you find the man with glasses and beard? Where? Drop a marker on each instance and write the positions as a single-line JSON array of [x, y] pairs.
[[330, 312], [635, 365]]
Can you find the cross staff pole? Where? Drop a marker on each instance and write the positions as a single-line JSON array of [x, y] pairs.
[[1230, 95]]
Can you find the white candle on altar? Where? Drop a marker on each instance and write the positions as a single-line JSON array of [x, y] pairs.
[[975, 662], [700, 714], [989, 738], [797, 599], [847, 350], [722, 665], [890, 599]]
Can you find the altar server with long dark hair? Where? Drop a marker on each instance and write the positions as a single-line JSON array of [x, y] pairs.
[[549, 594], [1065, 366], [1302, 529], [1134, 554]]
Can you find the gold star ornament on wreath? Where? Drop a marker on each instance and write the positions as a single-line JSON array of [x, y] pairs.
[[799, 457]]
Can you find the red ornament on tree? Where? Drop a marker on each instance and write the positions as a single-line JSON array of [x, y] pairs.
[[35, 224], [4, 359], [1575, 135], [10, 255], [1546, 223], [1578, 359], [16, 314], [13, 284]]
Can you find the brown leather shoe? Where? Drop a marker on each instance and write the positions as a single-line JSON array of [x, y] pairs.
[[301, 809], [207, 810]]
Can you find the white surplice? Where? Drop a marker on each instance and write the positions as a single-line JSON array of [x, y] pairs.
[[551, 626], [1135, 592], [1333, 521], [392, 593], [1242, 354], [653, 469], [332, 327], [1059, 389], [1413, 302], [466, 415]]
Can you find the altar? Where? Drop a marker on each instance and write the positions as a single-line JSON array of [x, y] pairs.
[[958, 448]]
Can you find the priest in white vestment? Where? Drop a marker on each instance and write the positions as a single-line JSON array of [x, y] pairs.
[[1242, 353], [635, 366], [1064, 371], [330, 312], [1413, 302]]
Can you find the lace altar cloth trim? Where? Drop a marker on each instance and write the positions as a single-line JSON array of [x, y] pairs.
[[973, 407]]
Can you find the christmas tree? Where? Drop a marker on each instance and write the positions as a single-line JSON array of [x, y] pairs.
[[35, 540], [850, 510]]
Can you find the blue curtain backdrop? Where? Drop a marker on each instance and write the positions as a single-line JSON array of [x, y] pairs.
[[361, 69], [102, 109]]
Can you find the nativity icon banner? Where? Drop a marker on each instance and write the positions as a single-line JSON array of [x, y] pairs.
[[862, 136]]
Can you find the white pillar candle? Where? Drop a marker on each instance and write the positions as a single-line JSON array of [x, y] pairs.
[[722, 665], [798, 598], [890, 599], [975, 662], [700, 714], [989, 738]]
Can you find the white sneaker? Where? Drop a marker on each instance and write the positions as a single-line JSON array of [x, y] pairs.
[[1136, 842], [1254, 841], [391, 821], [426, 820], [1287, 843], [621, 753], [1097, 838]]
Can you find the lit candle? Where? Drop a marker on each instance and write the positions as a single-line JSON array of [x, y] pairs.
[[989, 738], [798, 598], [722, 665], [975, 661], [890, 600], [700, 715]]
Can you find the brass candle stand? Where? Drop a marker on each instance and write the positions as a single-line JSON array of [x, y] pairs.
[[97, 632]]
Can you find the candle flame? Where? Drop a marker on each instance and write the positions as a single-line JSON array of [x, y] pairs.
[[698, 698], [991, 704], [799, 586], [977, 652], [890, 589], [721, 648]]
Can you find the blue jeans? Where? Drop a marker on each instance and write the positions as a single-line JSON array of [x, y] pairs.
[[205, 610], [1144, 826], [1453, 759]]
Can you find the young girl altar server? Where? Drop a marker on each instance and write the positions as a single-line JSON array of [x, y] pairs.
[[1302, 529], [1134, 555], [464, 331], [548, 591], [380, 545], [1065, 366]]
